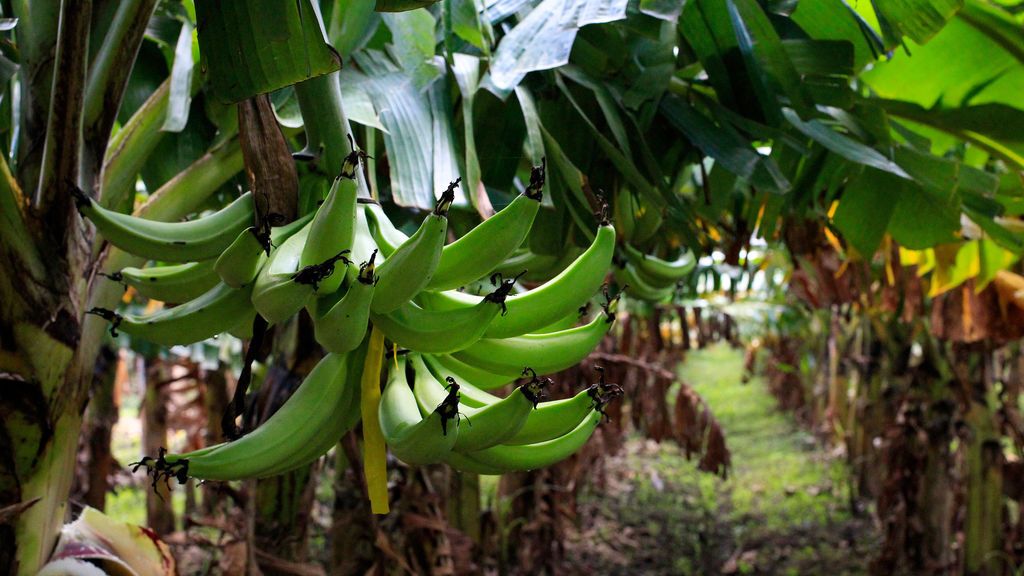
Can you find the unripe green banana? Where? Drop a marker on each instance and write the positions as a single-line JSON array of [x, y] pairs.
[[484, 248], [333, 228], [463, 372], [636, 286], [412, 438], [539, 267], [341, 320], [545, 353], [648, 220], [384, 233], [240, 262], [469, 394], [282, 288], [464, 463], [172, 284], [556, 418], [408, 269], [550, 419], [623, 210], [218, 310], [347, 415], [549, 302], [441, 332], [659, 272], [363, 243], [511, 458], [485, 426], [199, 239], [312, 408]]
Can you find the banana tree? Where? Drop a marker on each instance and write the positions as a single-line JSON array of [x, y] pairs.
[[684, 113]]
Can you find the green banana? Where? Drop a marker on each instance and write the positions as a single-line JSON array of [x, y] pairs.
[[510, 458], [363, 243], [545, 353], [539, 267], [559, 417], [347, 415], [659, 272], [464, 463], [199, 239], [470, 394], [282, 287], [463, 372], [333, 228], [630, 280], [483, 248], [485, 426], [218, 310], [384, 233], [412, 438], [240, 262], [341, 320], [637, 220], [550, 419], [409, 268], [549, 302], [565, 323], [441, 332], [173, 284], [273, 446]]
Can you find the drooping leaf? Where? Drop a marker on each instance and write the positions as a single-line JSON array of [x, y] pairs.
[[705, 26], [620, 159], [920, 220], [918, 19], [468, 25], [497, 10], [247, 51], [446, 167], [180, 97], [649, 66], [964, 65], [865, 209], [836, 20], [945, 177], [401, 5], [413, 133], [844, 146], [724, 145], [997, 128], [412, 45], [820, 57], [351, 25], [544, 39], [768, 62], [668, 10]]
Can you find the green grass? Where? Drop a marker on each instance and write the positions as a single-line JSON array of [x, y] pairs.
[[778, 470], [782, 509]]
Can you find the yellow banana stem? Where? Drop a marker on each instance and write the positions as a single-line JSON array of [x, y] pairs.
[[374, 451]]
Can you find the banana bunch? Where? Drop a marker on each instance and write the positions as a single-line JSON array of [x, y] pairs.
[[648, 277], [426, 421], [352, 270]]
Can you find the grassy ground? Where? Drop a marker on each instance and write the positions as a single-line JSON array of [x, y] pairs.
[[783, 509]]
